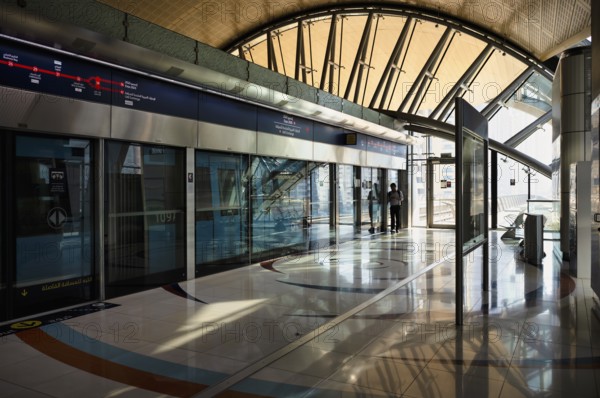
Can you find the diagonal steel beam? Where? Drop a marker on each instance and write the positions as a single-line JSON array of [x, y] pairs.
[[329, 54], [393, 60], [426, 68], [241, 52], [271, 59], [278, 36], [457, 89], [360, 53], [494, 105], [429, 74], [399, 70], [300, 54], [446, 131], [450, 106], [528, 131], [368, 66], [422, 93]]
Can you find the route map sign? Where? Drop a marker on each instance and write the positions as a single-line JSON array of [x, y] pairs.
[[64, 75], [53, 73]]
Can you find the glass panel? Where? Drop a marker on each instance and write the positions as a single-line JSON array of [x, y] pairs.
[[509, 121], [284, 42], [221, 210], [444, 194], [53, 223], [462, 52], [539, 144], [321, 228], [551, 211], [349, 32], [473, 159], [440, 147], [419, 194], [280, 197], [315, 39], [145, 217], [346, 204], [381, 45], [256, 51], [512, 190], [425, 38], [393, 178], [371, 200], [418, 183], [499, 71], [320, 200], [541, 186]]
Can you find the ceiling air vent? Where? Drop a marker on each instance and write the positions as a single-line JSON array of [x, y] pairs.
[[174, 71], [82, 45]]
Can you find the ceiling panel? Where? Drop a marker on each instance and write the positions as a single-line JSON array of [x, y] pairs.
[[539, 27]]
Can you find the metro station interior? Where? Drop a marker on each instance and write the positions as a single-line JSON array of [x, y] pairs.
[[196, 198]]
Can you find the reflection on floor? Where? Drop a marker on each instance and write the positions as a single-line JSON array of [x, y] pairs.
[[371, 317]]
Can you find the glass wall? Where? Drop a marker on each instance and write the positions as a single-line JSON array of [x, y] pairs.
[[221, 209], [145, 201], [53, 224], [418, 172], [443, 192], [321, 226], [371, 200], [280, 195], [512, 190], [346, 202], [393, 176], [253, 208]]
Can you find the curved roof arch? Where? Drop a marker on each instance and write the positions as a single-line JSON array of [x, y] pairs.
[[479, 31], [541, 27], [397, 60], [399, 57], [404, 62]]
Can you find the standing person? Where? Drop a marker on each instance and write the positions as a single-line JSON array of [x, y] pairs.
[[373, 206], [395, 199]]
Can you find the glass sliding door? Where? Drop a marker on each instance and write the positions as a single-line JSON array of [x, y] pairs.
[[280, 200], [347, 214], [320, 203], [53, 224], [221, 210], [145, 217], [371, 200], [418, 172]]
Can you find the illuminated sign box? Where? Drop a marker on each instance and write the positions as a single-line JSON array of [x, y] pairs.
[[351, 139]]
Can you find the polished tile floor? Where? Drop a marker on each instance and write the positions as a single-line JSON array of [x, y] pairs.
[[372, 317]]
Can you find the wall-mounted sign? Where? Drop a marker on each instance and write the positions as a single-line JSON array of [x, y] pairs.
[[351, 139], [283, 124], [52, 73]]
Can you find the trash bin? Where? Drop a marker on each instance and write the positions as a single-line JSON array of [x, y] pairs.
[[533, 238]]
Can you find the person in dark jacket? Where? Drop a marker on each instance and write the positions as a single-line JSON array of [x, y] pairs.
[[395, 198]]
